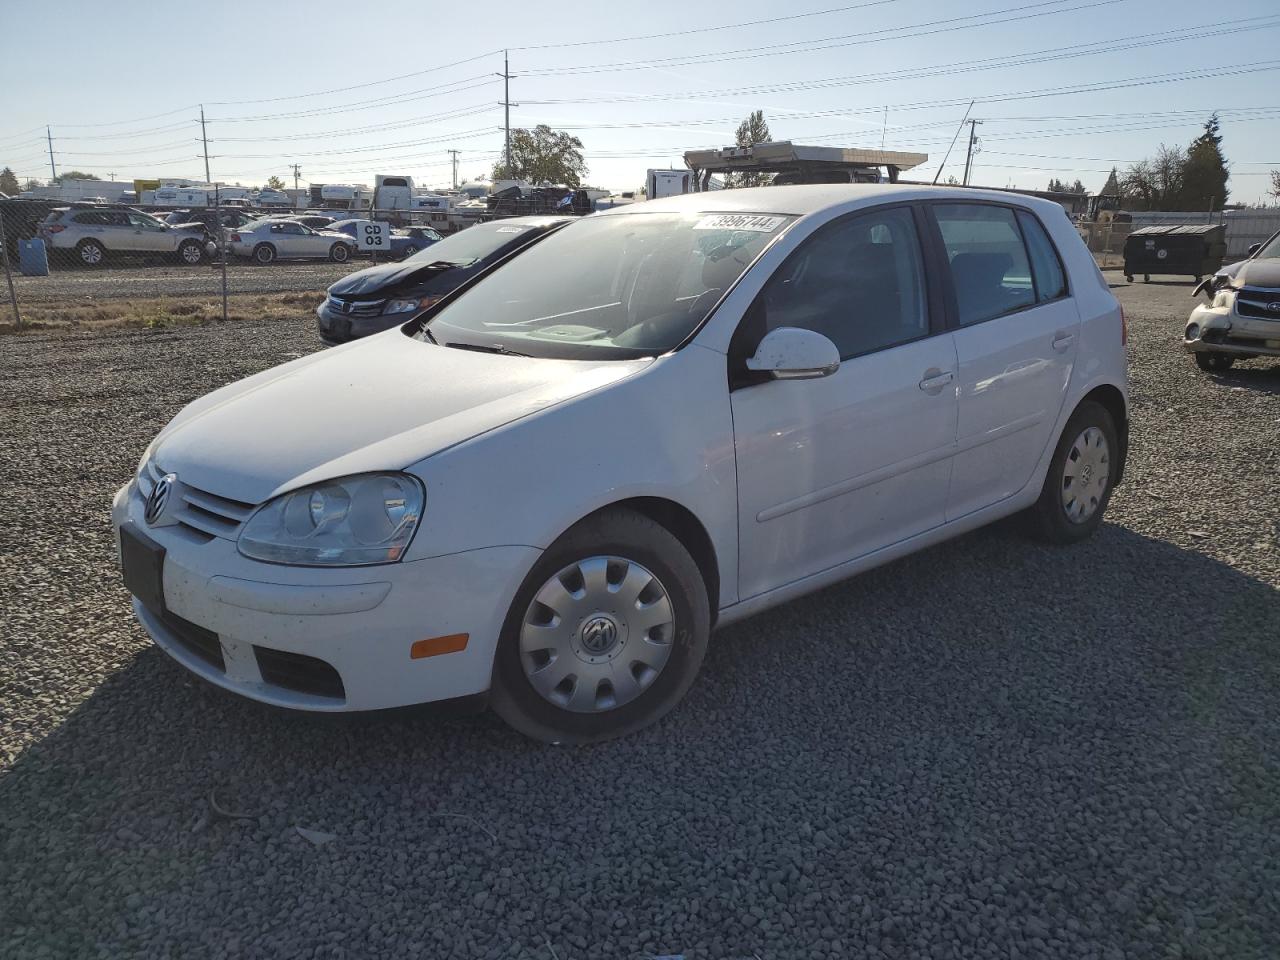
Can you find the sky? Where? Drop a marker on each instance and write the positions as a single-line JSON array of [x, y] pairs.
[[1064, 88]]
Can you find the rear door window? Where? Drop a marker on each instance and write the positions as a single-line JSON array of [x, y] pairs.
[[990, 269], [1051, 282]]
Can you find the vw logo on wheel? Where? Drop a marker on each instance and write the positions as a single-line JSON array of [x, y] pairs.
[[159, 498], [599, 635]]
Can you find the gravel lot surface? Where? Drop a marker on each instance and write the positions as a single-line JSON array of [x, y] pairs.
[[76, 285], [990, 749]]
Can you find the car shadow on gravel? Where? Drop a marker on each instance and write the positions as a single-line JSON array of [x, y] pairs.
[[1263, 378], [991, 745]]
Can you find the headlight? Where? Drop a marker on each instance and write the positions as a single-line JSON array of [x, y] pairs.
[[401, 306], [368, 518]]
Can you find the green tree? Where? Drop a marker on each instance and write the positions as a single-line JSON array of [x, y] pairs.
[[1061, 186], [543, 155], [1204, 173], [274, 183], [8, 182], [76, 175], [750, 131]]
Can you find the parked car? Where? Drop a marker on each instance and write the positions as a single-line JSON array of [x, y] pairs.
[[266, 241], [1242, 318], [656, 420], [407, 242], [93, 234], [385, 296], [210, 218]]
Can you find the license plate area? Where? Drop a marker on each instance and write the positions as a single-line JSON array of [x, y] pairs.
[[142, 561]]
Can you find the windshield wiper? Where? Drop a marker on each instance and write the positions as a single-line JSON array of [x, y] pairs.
[[441, 265], [487, 348], [429, 335]]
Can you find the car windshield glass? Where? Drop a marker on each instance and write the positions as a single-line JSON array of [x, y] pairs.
[[1270, 250], [474, 243], [610, 287]]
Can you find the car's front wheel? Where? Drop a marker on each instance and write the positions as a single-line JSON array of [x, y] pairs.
[[408, 252], [1214, 362], [1081, 475], [606, 634], [191, 252]]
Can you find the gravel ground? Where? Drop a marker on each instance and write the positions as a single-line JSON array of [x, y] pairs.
[[75, 285], [990, 749]]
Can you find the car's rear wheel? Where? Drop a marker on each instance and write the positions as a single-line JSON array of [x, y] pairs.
[[1081, 475], [264, 253], [1214, 362], [606, 634], [339, 253], [191, 251], [91, 253]]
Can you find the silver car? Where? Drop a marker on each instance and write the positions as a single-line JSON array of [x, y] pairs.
[[93, 234], [269, 240]]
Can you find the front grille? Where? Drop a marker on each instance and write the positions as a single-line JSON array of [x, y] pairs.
[[195, 639], [1259, 304], [294, 671], [207, 514], [357, 308]]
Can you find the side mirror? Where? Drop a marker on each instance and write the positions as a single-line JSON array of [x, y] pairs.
[[1253, 248], [789, 353]]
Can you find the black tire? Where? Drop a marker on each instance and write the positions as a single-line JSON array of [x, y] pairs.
[[339, 253], [1146, 278], [1214, 362], [264, 253], [1049, 519], [1128, 277], [90, 253], [626, 534], [191, 252]]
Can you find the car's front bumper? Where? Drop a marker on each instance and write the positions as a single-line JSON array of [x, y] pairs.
[[336, 327], [1223, 330], [332, 640]]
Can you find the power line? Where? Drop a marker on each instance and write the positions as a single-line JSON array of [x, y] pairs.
[[847, 40], [426, 93]]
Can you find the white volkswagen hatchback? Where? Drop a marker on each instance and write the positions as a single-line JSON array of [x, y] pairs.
[[659, 419]]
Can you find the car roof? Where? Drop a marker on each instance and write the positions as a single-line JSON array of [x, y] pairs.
[[804, 199]]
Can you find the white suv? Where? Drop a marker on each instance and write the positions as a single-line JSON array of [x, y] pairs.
[[95, 234], [547, 489]]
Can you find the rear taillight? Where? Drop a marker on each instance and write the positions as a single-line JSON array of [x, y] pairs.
[[1124, 329], [235, 238], [55, 228]]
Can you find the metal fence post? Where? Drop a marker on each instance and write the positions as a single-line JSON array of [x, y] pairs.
[[8, 274]]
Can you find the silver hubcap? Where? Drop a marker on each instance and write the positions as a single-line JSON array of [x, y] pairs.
[[191, 254], [597, 635], [1085, 475], [91, 253]]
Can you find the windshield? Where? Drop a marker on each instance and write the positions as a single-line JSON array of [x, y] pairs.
[[1270, 250], [610, 287], [474, 243]]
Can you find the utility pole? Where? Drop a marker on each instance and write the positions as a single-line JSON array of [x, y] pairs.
[[205, 137], [52, 168], [455, 168], [968, 158], [506, 104], [295, 176]]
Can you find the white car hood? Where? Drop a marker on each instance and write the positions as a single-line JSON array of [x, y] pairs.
[[378, 404]]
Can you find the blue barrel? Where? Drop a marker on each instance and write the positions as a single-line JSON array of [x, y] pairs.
[[33, 259]]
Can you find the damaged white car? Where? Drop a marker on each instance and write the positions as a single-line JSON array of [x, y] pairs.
[[1242, 318]]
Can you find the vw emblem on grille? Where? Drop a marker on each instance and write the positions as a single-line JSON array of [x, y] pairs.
[[599, 635], [1274, 306], [159, 498]]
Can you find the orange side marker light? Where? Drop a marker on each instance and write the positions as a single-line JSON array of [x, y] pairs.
[[434, 646]]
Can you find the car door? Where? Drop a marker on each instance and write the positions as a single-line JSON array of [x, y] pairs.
[[835, 468], [1017, 328], [151, 236], [120, 233]]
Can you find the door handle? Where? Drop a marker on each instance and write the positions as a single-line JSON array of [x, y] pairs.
[[935, 379], [1061, 341]]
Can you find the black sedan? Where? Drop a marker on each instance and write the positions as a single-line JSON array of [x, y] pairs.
[[385, 296]]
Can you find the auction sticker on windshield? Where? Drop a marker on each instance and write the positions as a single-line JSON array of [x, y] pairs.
[[760, 223]]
